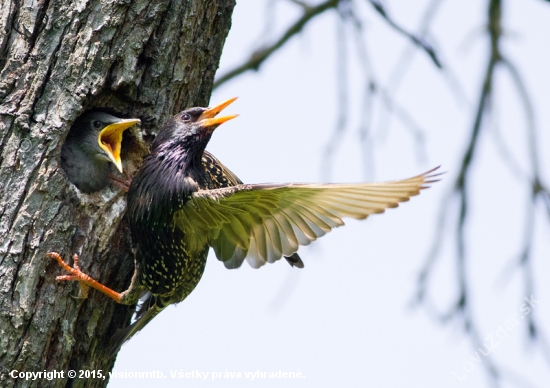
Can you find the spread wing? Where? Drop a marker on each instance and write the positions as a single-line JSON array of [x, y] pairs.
[[262, 223]]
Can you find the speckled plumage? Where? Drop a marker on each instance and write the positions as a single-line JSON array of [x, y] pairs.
[[170, 263]]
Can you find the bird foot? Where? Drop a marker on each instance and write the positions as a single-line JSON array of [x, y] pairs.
[[122, 183], [77, 275]]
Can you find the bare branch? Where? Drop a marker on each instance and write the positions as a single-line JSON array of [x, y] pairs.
[[530, 116], [342, 100], [403, 64], [462, 306], [259, 56], [399, 71], [418, 41], [535, 333], [409, 123], [507, 156], [302, 4], [372, 89], [366, 137], [435, 249], [269, 21], [395, 78]]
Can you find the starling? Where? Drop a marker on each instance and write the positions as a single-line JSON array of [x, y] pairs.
[[92, 144], [179, 206]]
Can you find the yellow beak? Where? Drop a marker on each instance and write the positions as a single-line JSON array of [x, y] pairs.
[[110, 139], [208, 117]]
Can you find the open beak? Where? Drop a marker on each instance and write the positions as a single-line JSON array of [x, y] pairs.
[[110, 139], [208, 117]]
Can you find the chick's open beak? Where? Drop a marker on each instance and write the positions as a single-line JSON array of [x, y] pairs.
[[208, 117], [110, 139]]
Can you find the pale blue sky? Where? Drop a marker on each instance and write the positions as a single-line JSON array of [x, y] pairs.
[[346, 318]]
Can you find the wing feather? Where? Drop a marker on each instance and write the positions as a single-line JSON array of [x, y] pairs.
[[262, 223], [287, 231], [276, 248]]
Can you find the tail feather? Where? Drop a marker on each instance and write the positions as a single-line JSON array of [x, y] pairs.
[[295, 260], [125, 334], [146, 301]]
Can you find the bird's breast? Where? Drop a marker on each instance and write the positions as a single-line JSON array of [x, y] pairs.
[[172, 261], [171, 264]]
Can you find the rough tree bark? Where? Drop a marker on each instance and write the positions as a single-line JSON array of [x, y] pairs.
[[58, 58]]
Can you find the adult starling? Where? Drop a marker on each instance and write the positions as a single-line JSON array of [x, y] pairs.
[[92, 144], [177, 212]]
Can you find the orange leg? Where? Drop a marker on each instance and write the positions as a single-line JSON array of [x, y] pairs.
[[85, 280]]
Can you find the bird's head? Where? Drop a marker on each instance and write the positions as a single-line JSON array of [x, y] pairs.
[[192, 128], [100, 135]]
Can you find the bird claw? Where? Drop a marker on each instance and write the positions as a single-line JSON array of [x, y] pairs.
[[75, 274], [83, 294]]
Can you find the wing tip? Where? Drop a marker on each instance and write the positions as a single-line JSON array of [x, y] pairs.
[[429, 177]]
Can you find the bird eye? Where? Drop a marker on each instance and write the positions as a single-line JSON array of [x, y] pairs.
[[97, 124], [186, 117]]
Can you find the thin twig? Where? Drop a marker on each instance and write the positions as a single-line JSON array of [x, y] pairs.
[[342, 98], [386, 97], [440, 228], [529, 114], [418, 41], [507, 156], [405, 60], [366, 137], [461, 189], [369, 92], [259, 56], [409, 123], [302, 4], [270, 21], [537, 190], [403, 64], [461, 184]]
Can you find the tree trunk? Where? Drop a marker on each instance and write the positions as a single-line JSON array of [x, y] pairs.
[[143, 58]]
